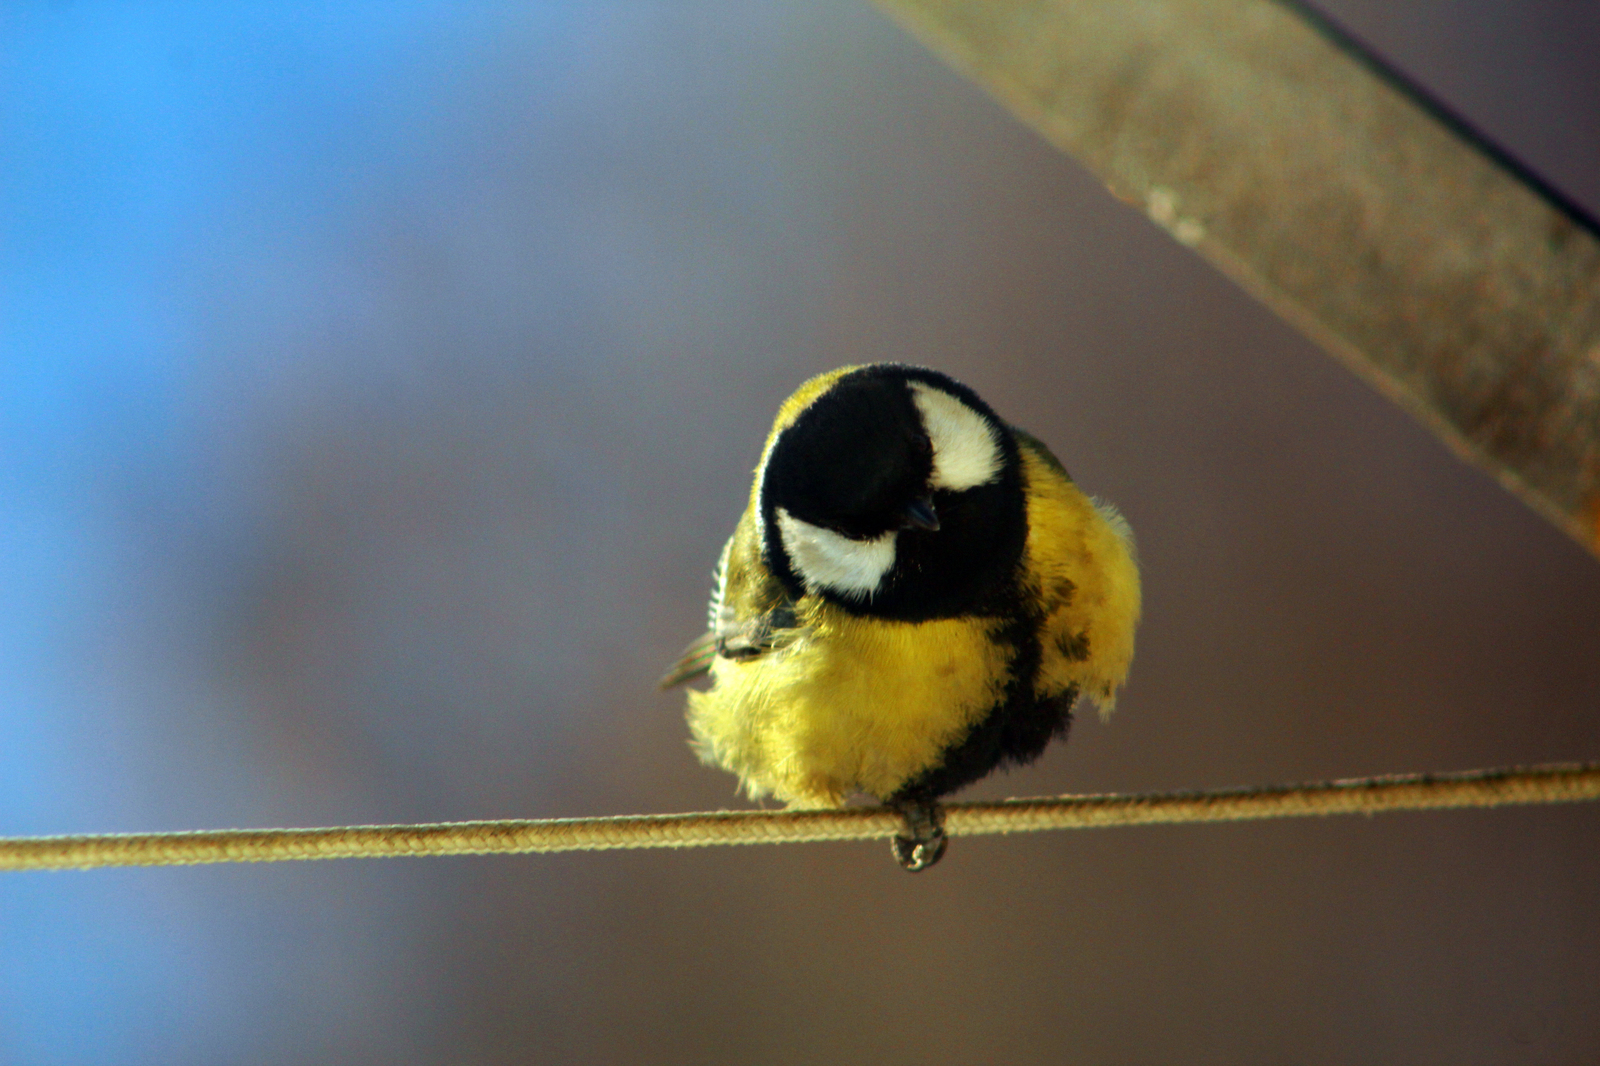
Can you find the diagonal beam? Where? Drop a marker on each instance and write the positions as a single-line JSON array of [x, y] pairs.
[[1260, 136]]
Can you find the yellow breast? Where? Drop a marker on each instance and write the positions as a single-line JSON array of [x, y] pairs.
[[853, 705]]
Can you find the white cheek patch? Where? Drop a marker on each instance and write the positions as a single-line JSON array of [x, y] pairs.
[[965, 452], [823, 559]]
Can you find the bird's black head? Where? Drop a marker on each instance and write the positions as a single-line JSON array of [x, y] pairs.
[[895, 492]]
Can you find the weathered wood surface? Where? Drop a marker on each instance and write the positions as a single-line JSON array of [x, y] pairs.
[[1259, 136]]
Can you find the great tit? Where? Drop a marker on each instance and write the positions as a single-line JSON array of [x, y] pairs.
[[916, 595]]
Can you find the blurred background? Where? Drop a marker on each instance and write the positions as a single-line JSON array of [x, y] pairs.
[[378, 384]]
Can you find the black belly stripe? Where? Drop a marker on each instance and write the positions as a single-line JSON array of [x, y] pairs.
[[1014, 733]]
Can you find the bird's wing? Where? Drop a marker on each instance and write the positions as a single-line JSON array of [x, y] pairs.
[[695, 660], [1029, 442], [750, 612]]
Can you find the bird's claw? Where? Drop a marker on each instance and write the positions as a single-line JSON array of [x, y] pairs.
[[922, 843]]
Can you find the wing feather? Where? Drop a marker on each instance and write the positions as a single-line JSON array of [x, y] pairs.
[[750, 612], [695, 660]]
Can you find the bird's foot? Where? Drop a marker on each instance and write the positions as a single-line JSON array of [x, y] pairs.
[[922, 842]]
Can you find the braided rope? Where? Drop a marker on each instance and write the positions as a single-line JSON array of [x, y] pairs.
[[1555, 783]]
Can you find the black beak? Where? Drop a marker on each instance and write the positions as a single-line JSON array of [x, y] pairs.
[[919, 514]]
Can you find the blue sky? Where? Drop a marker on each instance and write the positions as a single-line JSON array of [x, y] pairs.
[[157, 162]]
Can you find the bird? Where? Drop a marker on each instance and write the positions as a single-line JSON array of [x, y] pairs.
[[916, 595]]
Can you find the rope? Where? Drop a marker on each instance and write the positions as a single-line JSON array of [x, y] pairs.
[[1555, 783]]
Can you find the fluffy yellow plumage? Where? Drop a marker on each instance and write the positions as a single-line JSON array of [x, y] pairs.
[[915, 595]]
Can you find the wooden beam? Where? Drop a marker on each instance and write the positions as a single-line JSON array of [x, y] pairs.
[[1337, 193]]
